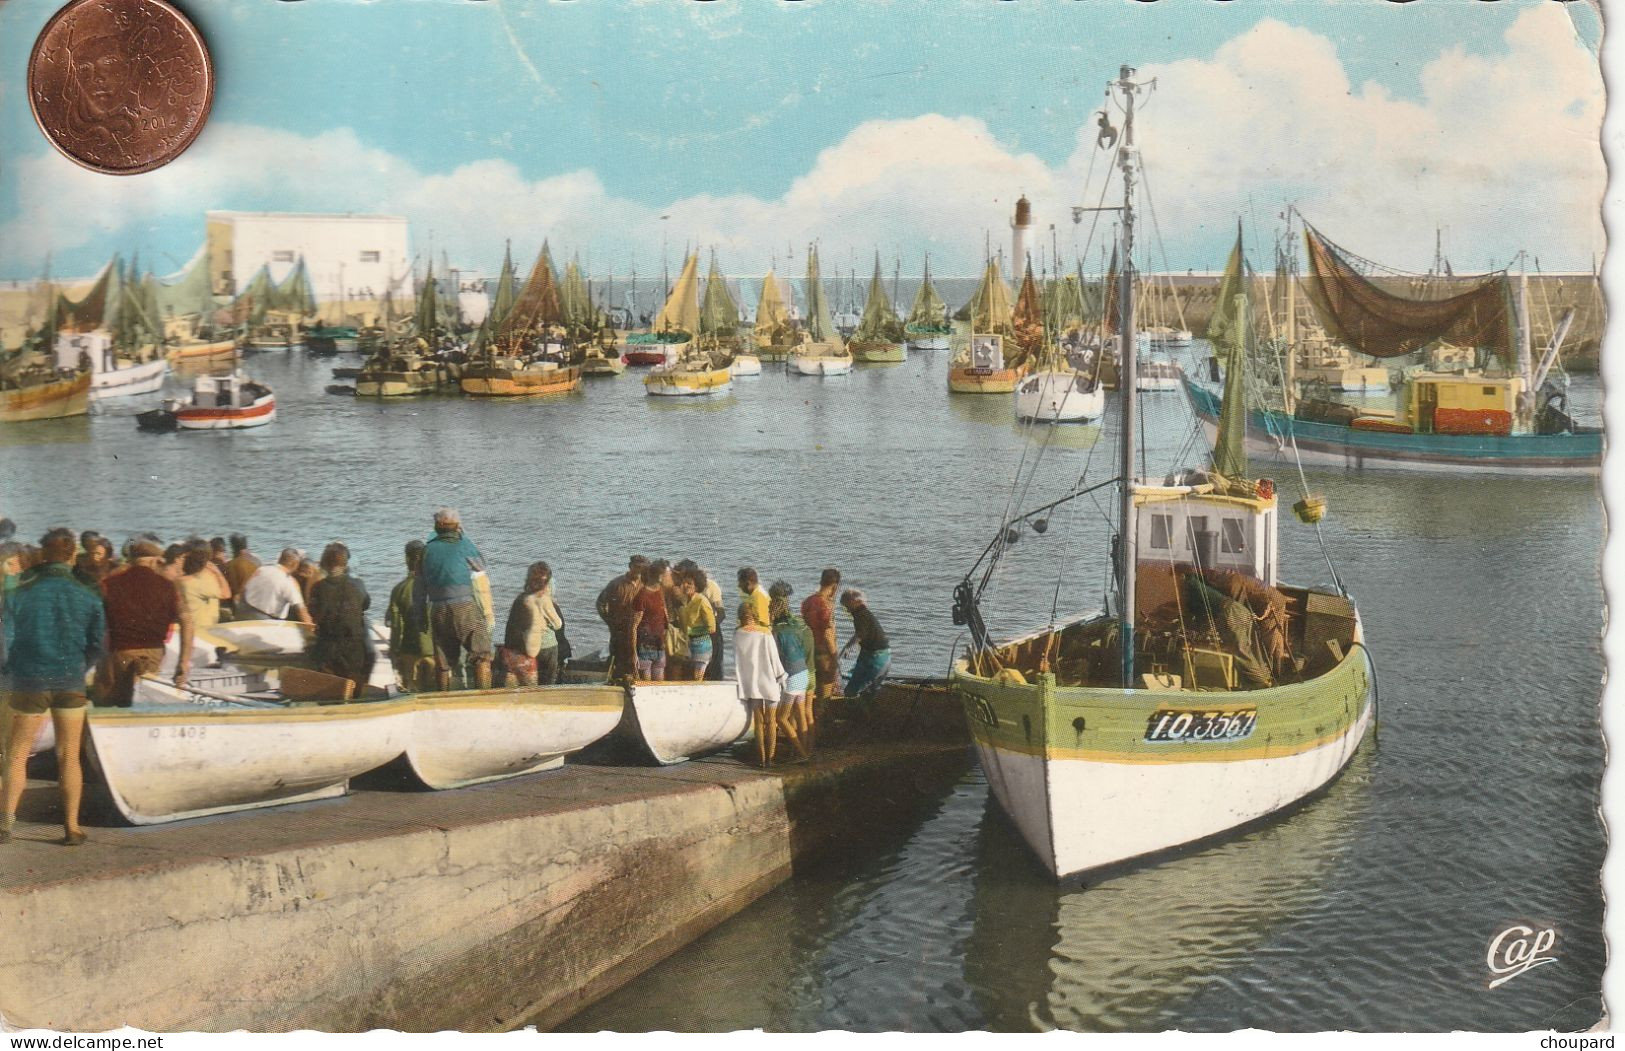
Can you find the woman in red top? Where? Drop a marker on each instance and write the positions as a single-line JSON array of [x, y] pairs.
[[649, 625]]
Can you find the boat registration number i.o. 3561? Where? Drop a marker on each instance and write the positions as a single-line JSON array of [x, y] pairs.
[[1230, 724]]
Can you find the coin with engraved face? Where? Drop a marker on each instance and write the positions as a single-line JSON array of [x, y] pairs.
[[120, 86]]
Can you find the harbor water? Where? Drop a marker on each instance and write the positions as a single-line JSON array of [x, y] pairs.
[[1371, 908]]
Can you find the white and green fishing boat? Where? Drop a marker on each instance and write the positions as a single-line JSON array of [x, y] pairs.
[[1212, 695], [927, 326]]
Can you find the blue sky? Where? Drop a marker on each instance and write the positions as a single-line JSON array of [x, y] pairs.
[[587, 120]]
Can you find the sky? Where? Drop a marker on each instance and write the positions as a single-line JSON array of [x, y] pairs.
[[621, 129]]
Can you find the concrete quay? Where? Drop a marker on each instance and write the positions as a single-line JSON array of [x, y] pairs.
[[475, 909]]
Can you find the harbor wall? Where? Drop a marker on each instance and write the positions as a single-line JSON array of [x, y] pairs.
[[477, 909]]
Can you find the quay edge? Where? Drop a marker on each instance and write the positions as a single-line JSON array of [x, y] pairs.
[[478, 909]]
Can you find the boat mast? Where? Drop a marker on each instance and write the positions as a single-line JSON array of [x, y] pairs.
[[1289, 389], [1526, 397], [1127, 162]]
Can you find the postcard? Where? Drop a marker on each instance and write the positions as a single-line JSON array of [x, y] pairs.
[[802, 517]]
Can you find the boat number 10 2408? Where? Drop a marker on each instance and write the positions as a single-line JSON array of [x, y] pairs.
[[1227, 725]]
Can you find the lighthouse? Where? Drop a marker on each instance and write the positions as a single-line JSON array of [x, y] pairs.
[[1019, 226]]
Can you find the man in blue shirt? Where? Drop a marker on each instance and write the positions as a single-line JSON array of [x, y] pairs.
[[456, 617], [55, 629]]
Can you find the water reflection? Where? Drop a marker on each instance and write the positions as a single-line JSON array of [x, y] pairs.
[[1125, 954]]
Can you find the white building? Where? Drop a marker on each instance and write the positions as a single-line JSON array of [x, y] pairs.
[[348, 257]]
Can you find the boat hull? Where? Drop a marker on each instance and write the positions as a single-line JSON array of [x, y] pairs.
[[595, 366], [676, 721], [46, 401], [667, 383], [395, 384], [820, 366], [1074, 771], [878, 353], [964, 380], [475, 736], [1059, 397], [129, 381], [924, 343], [1535, 455], [193, 418], [485, 382], [198, 353], [173, 762], [746, 365]]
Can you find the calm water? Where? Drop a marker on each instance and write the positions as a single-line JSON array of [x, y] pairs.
[[1370, 909]]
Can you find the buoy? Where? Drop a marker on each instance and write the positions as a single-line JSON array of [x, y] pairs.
[[1310, 509], [1041, 525]]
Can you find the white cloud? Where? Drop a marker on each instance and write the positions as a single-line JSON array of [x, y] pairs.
[[1501, 150]]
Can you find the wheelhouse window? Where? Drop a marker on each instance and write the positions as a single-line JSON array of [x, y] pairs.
[[1162, 531], [1233, 537]]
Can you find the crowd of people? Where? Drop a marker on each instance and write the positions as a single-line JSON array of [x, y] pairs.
[[665, 624], [73, 608]]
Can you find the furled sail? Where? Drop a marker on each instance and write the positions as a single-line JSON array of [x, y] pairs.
[[537, 304], [1065, 308], [770, 312], [719, 316], [1027, 319], [97, 306], [929, 312], [820, 326], [506, 291], [574, 301], [681, 312], [1109, 309], [294, 293], [989, 308], [1366, 318], [190, 293], [428, 317], [879, 323], [1229, 332]]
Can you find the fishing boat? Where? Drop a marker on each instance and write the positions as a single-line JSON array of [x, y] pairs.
[[927, 326], [701, 364], [984, 366], [773, 333], [1180, 714], [184, 760], [399, 374], [217, 403], [1504, 417], [600, 362], [527, 355], [203, 352], [1055, 392], [821, 351], [1156, 373], [674, 327], [112, 374], [745, 365], [41, 393], [879, 335], [677, 721], [327, 340]]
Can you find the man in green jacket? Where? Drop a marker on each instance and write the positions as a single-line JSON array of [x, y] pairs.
[[55, 628]]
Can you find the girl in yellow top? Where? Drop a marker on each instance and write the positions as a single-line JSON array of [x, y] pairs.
[[698, 621]]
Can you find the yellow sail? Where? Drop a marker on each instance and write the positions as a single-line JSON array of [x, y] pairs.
[[992, 313], [682, 310], [770, 309]]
